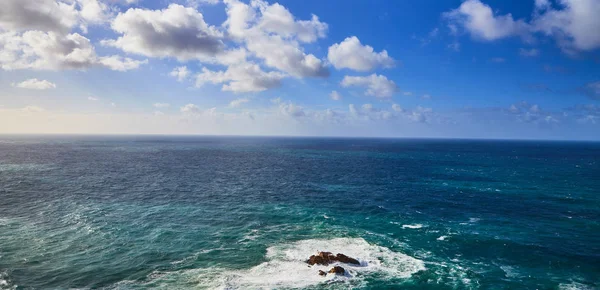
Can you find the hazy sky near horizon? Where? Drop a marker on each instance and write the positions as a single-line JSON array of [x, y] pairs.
[[465, 69]]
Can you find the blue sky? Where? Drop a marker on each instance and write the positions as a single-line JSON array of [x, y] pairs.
[[454, 69]]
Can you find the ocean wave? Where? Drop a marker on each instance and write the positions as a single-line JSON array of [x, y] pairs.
[[5, 283], [574, 286], [286, 267], [415, 226], [24, 167]]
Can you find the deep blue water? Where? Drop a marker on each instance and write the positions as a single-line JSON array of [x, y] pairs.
[[244, 213]]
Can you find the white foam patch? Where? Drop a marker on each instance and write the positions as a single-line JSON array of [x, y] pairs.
[[4, 282], [415, 226], [574, 286], [286, 266], [442, 238]]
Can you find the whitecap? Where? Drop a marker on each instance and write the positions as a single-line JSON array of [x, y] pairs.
[[415, 226], [574, 286], [442, 238]]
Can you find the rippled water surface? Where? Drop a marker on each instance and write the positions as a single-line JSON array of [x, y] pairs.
[[244, 213]]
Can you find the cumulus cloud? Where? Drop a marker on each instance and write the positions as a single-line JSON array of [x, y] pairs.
[[291, 109], [177, 31], [35, 84], [480, 21], [190, 108], [180, 73], [376, 85], [334, 95], [238, 102], [531, 113], [44, 15], [40, 50], [271, 33], [572, 23], [575, 26], [351, 54], [119, 63], [240, 78]]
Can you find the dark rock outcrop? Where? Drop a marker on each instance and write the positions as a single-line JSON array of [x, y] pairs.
[[326, 258], [345, 259], [337, 270], [322, 273]]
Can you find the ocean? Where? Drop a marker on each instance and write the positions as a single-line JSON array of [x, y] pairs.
[[160, 212]]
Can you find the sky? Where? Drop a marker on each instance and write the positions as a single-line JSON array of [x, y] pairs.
[[438, 69]]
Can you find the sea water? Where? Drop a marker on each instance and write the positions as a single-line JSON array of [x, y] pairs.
[[126, 212]]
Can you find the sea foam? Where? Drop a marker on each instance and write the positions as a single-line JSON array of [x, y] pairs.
[[286, 266]]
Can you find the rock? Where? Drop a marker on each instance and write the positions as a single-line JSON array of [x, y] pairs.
[[345, 259], [326, 258], [337, 270], [322, 258], [322, 273]]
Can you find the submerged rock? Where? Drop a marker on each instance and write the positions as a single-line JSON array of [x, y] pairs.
[[322, 273], [337, 270], [326, 258]]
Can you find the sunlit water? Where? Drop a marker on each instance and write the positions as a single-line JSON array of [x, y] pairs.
[[244, 213]]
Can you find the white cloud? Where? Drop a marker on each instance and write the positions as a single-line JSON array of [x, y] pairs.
[[275, 18], [479, 20], [35, 84], [334, 95], [426, 97], [574, 24], [240, 78], [238, 102], [194, 111], [177, 31], [40, 50], [529, 52], [376, 85], [181, 73], [575, 27], [161, 105], [291, 109], [94, 11], [120, 63], [351, 54], [397, 108], [272, 34], [45, 50], [407, 93], [45, 15], [190, 108], [498, 59], [93, 99]]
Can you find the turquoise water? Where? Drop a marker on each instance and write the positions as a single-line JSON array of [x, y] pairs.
[[244, 213]]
